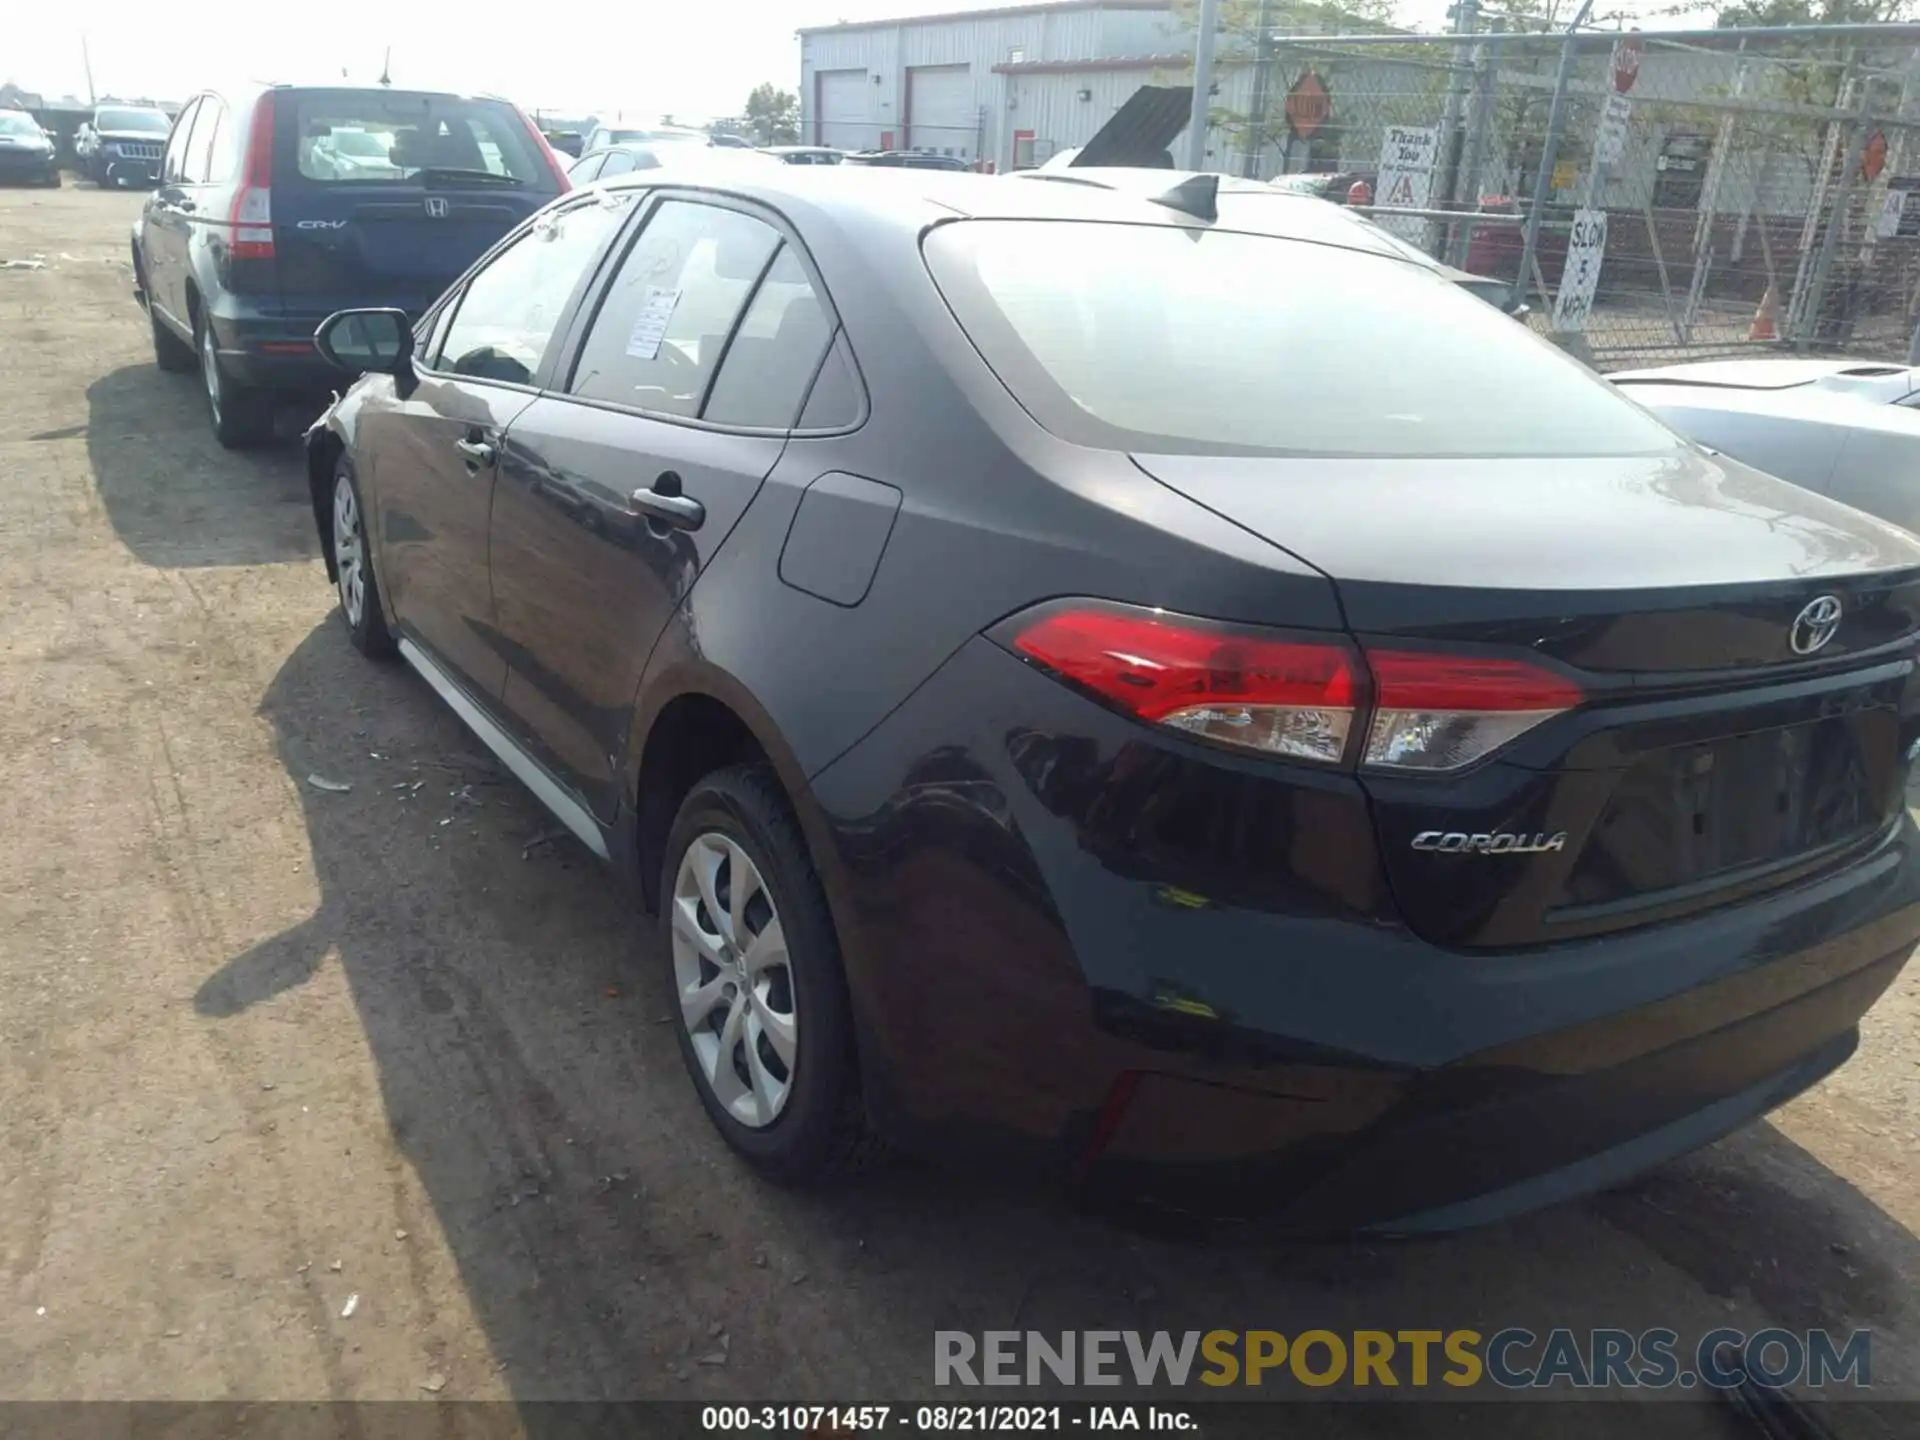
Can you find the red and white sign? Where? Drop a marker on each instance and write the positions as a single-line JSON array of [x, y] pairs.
[[1627, 55]]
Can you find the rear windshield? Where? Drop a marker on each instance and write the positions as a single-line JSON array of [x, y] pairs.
[[1178, 339], [151, 121], [365, 137]]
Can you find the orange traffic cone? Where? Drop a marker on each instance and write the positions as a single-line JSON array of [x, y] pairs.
[[1766, 320]]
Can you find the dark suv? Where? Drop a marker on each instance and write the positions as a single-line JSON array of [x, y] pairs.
[[278, 206]]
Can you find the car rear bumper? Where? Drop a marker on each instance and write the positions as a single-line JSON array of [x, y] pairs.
[[272, 351], [1046, 959]]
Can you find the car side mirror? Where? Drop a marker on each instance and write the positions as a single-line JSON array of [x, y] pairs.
[[358, 341]]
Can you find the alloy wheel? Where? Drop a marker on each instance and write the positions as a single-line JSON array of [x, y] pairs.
[[734, 979], [349, 550]]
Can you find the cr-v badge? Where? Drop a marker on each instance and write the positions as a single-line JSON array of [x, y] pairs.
[[1500, 842]]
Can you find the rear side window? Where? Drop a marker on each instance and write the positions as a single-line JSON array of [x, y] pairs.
[[511, 308], [374, 137], [173, 162], [1173, 338], [664, 322], [774, 353], [209, 123]]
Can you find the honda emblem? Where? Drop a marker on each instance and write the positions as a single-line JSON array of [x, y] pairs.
[[436, 207]]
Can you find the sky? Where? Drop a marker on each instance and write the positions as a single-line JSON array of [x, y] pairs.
[[688, 60]]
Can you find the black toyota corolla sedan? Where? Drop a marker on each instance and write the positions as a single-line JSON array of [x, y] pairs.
[[1219, 714]]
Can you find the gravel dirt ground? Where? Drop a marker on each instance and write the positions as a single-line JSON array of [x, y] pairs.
[[265, 1047]]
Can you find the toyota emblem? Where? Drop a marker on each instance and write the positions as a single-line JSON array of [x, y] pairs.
[[1814, 626], [436, 207]]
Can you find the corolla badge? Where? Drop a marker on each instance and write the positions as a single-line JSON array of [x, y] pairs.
[[1499, 842], [1814, 626]]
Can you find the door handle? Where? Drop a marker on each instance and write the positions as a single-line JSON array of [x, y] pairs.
[[478, 452], [664, 502]]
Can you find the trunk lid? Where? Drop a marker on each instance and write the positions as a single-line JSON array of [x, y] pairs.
[[1712, 759], [385, 198]]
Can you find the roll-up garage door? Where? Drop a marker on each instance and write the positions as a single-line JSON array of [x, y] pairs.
[[842, 97], [941, 114]]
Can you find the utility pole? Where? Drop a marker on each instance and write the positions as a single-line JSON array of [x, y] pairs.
[[1202, 85], [86, 63], [1262, 92], [386, 67]]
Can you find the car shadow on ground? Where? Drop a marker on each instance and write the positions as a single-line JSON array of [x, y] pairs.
[[606, 1240], [173, 496]]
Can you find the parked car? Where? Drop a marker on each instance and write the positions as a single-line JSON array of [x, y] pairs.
[[349, 153], [1225, 714], [906, 159], [279, 205], [565, 142], [1849, 429], [613, 160], [601, 136], [26, 151], [805, 154], [1332, 186], [120, 145]]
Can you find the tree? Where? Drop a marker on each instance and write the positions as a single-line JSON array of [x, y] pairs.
[[1813, 12], [774, 115]]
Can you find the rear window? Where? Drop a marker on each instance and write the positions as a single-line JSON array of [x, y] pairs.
[[391, 137], [1178, 339]]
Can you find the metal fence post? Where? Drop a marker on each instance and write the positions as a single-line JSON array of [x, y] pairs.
[[1549, 152], [1263, 62], [1486, 62], [1836, 219], [1202, 85], [1465, 13]]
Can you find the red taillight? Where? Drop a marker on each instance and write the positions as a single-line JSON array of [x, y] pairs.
[[546, 152], [1443, 712], [1298, 698], [1284, 697], [251, 219]]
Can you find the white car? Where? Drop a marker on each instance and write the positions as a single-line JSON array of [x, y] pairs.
[[1845, 428]]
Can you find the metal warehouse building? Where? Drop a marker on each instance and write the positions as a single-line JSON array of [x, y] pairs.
[[1004, 88]]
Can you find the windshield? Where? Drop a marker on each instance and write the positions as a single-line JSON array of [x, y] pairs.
[[18, 124], [1179, 339], [150, 122], [390, 136]]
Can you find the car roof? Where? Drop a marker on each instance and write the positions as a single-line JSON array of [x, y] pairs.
[[911, 199]]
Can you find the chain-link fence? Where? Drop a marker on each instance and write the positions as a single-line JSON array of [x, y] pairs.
[[1699, 192]]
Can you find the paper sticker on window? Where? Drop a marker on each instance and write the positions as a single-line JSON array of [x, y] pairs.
[[650, 328]]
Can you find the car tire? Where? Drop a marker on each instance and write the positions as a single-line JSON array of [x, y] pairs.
[[361, 606], [53, 180], [170, 352], [241, 415], [737, 821]]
